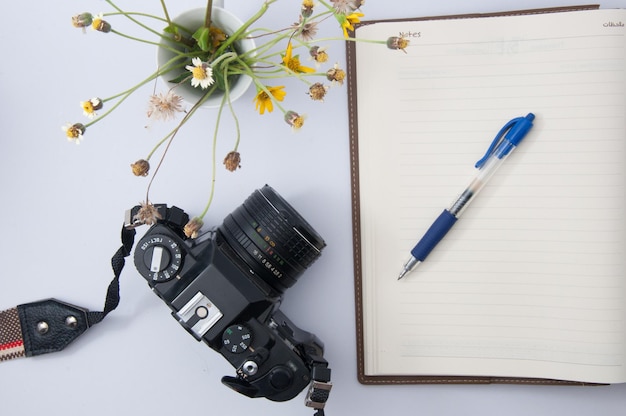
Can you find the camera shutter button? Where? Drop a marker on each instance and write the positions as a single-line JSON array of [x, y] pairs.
[[280, 377]]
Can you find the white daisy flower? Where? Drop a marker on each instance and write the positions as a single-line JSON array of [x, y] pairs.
[[202, 73], [74, 132]]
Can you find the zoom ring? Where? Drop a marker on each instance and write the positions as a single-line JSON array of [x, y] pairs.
[[286, 237]]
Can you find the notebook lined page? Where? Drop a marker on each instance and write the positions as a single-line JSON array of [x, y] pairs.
[[531, 280]]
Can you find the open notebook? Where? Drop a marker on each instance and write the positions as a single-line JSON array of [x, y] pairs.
[[531, 282]]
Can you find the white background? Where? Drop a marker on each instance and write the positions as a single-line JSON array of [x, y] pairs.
[[63, 206]]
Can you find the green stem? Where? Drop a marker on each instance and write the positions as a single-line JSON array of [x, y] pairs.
[[245, 26], [127, 15], [214, 161], [183, 121], [171, 136], [124, 96], [122, 13], [328, 6], [207, 16], [232, 111], [167, 15], [332, 39], [230, 56], [134, 38]]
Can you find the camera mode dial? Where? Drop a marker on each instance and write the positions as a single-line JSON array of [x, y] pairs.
[[158, 258], [237, 339]]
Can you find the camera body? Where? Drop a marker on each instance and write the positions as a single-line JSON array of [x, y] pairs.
[[225, 287]]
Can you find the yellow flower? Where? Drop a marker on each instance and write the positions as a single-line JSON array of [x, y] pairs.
[[348, 21], [293, 62], [264, 101]]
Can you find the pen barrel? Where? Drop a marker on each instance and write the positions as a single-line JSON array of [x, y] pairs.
[[483, 175], [435, 233]]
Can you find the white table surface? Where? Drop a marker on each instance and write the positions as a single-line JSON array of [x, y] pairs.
[[63, 206]]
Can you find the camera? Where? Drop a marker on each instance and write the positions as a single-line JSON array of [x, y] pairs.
[[225, 287]]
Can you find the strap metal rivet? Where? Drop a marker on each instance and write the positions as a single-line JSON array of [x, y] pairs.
[[71, 321], [42, 327]]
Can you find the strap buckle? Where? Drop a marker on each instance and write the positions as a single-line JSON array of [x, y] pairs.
[[318, 393]]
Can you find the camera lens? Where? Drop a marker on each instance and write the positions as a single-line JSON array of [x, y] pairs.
[[273, 240]]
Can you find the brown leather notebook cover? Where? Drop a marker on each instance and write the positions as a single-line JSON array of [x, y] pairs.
[[356, 222]]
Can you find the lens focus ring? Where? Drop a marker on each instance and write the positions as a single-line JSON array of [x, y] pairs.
[[275, 227], [272, 238]]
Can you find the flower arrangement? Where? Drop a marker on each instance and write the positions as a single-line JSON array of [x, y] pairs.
[[207, 58]]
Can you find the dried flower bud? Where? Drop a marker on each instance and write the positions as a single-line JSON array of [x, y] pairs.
[[307, 8], [319, 54], [82, 20], [295, 120], [100, 24], [193, 227], [347, 6], [318, 91], [336, 74], [148, 214], [357, 3], [232, 161], [397, 43], [140, 167]]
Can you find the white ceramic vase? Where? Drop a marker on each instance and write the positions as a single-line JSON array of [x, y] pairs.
[[193, 19]]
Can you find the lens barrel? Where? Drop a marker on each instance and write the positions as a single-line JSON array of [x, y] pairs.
[[273, 240]]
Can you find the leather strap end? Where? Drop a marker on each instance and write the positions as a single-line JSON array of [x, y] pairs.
[[50, 325]]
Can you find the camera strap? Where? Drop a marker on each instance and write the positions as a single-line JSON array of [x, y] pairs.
[[51, 325]]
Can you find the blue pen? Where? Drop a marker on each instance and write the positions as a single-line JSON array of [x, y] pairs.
[[504, 143]]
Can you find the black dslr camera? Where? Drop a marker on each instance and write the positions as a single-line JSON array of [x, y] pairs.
[[225, 286]]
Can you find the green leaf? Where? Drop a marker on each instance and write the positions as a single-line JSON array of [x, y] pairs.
[[202, 37], [220, 81], [180, 78], [171, 29]]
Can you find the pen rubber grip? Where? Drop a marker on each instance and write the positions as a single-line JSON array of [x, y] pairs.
[[435, 233]]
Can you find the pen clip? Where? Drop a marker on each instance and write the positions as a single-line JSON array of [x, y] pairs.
[[496, 141]]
